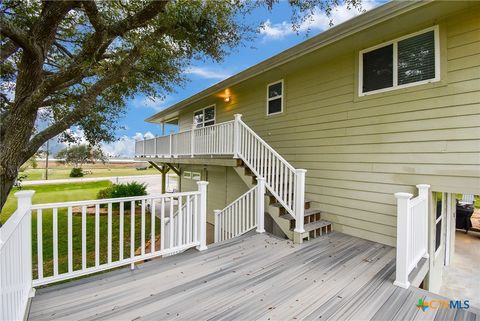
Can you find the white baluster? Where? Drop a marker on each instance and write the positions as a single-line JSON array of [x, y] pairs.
[[423, 192], [236, 135], [299, 200]]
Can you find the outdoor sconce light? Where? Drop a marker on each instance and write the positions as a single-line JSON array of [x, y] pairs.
[[227, 99]]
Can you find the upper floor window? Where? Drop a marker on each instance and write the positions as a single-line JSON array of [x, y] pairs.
[[275, 98], [403, 62], [204, 117]]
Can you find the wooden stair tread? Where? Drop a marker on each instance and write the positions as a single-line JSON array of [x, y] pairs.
[[318, 224], [308, 212]]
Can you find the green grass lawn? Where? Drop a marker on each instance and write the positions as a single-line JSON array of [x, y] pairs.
[[71, 192], [61, 173]]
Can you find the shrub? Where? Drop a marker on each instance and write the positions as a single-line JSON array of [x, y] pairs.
[[123, 190], [76, 172]]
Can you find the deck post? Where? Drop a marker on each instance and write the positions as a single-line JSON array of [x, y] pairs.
[[202, 216], [170, 144], [192, 141], [155, 142], [403, 238], [216, 226], [423, 193], [260, 202], [236, 135], [299, 200], [24, 203]]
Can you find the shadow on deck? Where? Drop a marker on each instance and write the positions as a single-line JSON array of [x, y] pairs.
[[257, 276]]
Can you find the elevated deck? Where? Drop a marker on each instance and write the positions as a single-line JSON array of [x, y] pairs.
[[256, 276]]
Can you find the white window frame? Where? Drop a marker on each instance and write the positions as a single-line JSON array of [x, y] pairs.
[[203, 110], [394, 42], [196, 176], [276, 97]]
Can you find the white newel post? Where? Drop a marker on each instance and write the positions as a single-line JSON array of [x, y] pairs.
[[216, 226], [192, 141], [236, 135], [202, 216], [260, 202], [403, 238], [170, 145], [24, 203], [423, 192], [155, 142], [299, 199]]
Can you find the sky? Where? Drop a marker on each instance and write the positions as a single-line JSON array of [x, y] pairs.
[[276, 36]]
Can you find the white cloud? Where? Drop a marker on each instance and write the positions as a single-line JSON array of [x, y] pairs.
[[207, 73], [125, 146], [319, 21]]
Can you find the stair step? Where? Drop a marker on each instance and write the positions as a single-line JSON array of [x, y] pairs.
[[315, 225], [307, 213]]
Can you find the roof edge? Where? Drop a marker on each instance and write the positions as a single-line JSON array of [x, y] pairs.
[[332, 35]]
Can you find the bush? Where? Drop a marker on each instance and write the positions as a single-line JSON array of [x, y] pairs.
[[123, 190], [76, 172]]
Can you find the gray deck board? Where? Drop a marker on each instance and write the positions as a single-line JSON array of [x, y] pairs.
[[254, 277]]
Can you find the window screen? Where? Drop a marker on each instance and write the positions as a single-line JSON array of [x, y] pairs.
[[275, 96], [416, 58], [378, 69], [407, 61]]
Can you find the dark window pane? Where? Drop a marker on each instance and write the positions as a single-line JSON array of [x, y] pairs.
[[438, 234], [209, 113], [209, 123], [416, 58], [275, 106], [275, 90], [378, 69], [198, 117]]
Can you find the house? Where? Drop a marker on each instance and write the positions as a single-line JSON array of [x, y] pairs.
[[371, 107], [323, 146]]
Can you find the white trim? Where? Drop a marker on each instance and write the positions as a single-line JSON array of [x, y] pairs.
[[203, 111], [394, 42], [440, 218], [276, 97], [187, 174], [196, 176]]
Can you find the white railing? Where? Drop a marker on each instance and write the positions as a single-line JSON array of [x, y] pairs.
[[412, 232], [16, 260], [127, 213], [235, 138], [242, 215]]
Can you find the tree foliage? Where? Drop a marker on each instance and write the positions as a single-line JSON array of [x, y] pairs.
[[78, 155]]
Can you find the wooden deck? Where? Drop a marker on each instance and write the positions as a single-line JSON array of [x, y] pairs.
[[254, 277]]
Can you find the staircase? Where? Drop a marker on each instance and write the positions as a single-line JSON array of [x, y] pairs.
[[314, 226]]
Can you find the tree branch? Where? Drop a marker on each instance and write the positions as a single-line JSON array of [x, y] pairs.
[[86, 102], [93, 15], [63, 49], [8, 49], [17, 36], [139, 19]]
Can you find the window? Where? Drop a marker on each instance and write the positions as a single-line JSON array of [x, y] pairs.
[[196, 176], [275, 98], [187, 175], [204, 117], [404, 62]]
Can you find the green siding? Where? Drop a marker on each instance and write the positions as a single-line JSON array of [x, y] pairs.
[[360, 150], [224, 186]]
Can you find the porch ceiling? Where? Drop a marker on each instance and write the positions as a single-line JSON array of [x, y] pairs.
[[253, 277]]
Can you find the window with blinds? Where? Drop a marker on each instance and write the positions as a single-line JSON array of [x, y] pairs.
[[407, 61]]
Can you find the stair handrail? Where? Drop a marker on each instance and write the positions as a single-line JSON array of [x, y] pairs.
[[292, 195], [242, 215]]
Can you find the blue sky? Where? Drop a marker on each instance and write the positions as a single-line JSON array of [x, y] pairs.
[[276, 36]]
